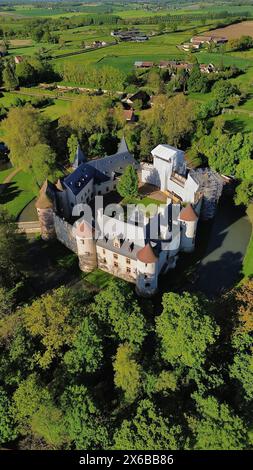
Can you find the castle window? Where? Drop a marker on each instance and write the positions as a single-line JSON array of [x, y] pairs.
[[128, 261], [128, 270], [116, 265], [104, 260], [107, 189], [115, 256], [103, 251], [147, 284]]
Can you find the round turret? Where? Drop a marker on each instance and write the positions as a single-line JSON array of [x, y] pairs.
[[189, 220], [147, 272], [86, 247], [45, 210]]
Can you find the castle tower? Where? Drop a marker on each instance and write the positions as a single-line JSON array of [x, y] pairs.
[[189, 220], [45, 210], [147, 271], [79, 158], [86, 247]]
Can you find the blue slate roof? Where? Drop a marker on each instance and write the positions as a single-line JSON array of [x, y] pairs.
[[101, 169], [81, 176]]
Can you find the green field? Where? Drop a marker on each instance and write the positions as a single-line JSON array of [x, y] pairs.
[[4, 174], [248, 259], [100, 279], [18, 194], [52, 111]]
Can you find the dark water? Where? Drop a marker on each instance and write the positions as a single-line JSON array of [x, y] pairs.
[[29, 213], [221, 265], [216, 263]]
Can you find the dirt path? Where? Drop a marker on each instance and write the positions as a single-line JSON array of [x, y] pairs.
[[8, 180]]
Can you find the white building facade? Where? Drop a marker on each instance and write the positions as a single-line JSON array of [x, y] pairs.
[[137, 252]]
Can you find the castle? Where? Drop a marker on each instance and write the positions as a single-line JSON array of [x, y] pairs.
[[145, 244]]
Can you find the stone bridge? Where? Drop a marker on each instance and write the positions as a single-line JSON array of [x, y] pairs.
[[28, 227]]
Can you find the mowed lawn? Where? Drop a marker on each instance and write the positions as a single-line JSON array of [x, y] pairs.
[[52, 111], [4, 174], [56, 110], [100, 279], [248, 259], [19, 192]]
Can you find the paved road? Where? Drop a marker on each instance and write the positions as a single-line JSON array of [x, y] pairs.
[[220, 268]]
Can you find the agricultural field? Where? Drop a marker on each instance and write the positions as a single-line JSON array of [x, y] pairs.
[[234, 31]]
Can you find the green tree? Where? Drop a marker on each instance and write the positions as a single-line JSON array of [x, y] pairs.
[[173, 117], [127, 186], [197, 81], [50, 319], [25, 73], [43, 162], [86, 352], [242, 366], [225, 92], [85, 424], [6, 301], [117, 309], [8, 430], [146, 143], [217, 427], [244, 193], [127, 371], [12, 253], [10, 79], [148, 430], [28, 398], [24, 129], [48, 422], [185, 330], [72, 144]]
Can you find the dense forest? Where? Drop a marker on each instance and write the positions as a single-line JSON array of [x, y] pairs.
[[88, 367], [82, 369]]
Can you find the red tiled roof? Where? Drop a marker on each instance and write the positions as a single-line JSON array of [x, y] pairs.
[[128, 113], [146, 254], [43, 202], [84, 230], [147, 64], [188, 214]]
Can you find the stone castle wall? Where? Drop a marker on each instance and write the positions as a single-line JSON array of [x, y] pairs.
[[65, 233]]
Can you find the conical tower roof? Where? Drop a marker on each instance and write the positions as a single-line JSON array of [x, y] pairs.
[[59, 185], [84, 230], [44, 201], [123, 146], [146, 254], [188, 214], [79, 158]]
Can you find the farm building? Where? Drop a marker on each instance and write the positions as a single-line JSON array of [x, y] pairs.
[[140, 95], [143, 64]]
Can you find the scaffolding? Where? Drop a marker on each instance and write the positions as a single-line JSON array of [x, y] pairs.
[[210, 186]]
